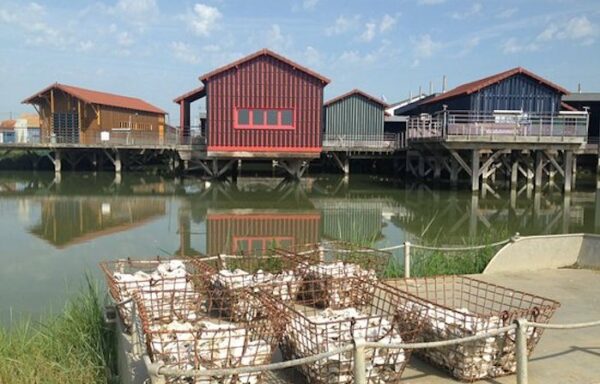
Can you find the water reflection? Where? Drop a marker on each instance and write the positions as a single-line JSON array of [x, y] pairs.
[[54, 231]]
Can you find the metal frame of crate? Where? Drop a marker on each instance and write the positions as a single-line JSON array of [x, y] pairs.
[[183, 332], [459, 306], [378, 320], [334, 273], [230, 294], [122, 290]]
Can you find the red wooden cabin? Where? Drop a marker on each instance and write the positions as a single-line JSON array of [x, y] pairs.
[[261, 106]]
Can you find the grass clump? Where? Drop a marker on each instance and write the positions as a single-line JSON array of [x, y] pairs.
[[72, 347]]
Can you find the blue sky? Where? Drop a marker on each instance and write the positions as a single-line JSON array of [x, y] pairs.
[[156, 49]]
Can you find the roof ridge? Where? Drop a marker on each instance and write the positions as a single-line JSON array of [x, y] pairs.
[[356, 91]]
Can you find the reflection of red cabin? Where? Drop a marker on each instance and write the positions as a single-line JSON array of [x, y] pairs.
[[262, 105], [234, 233]]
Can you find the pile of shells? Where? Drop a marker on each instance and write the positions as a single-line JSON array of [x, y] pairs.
[[337, 285], [230, 295], [331, 329], [169, 276], [207, 345], [489, 357]]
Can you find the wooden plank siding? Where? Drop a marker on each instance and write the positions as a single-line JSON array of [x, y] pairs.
[[264, 82], [354, 116], [517, 92], [151, 124]]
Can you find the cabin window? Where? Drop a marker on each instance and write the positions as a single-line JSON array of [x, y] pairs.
[[286, 117], [264, 118], [258, 117], [243, 117], [272, 117]]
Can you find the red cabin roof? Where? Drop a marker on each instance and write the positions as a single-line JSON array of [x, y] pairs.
[[192, 95], [101, 98], [474, 86], [264, 52], [356, 92]]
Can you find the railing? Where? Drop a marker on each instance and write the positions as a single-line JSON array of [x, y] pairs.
[[501, 125], [115, 137], [383, 142], [358, 347]]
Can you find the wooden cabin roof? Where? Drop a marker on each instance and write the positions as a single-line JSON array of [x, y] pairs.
[[100, 98], [474, 86], [359, 93], [264, 52]]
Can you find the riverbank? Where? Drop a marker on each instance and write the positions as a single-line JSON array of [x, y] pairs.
[[70, 347]]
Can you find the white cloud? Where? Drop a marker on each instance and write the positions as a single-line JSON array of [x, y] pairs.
[[276, 39], [184, 52], [576, 28], [507, 13], [475, 10], [309, 4], [85, 46], [424, 46], [342, 25], [369, 32], [468, 45], [430, 2], [203, 19], [124, 39], [513, 45], [137, 12], [387, 22], [312, 56]]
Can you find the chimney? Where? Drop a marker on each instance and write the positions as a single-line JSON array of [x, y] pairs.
[[409, 96], [430, 87], [420, 91], [444, 84], [578, 87]]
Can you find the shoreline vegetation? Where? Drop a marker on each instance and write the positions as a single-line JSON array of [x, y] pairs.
[[73, 346]]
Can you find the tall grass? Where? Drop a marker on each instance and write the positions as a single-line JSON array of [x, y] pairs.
[[71, 347]]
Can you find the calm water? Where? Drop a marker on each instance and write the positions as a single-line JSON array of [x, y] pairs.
[[52, 233]]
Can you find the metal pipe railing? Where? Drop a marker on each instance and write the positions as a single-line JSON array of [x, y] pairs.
[[358, 348]]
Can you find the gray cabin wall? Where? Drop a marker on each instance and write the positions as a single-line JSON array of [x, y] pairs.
[[354, 116], [517, 92]]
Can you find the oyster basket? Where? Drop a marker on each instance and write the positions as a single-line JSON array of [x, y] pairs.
[[458, 306], [309, 331], [180, 331], [233, 278], [337, 274], [126, 276]]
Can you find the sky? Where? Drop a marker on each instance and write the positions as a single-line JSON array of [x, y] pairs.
[[156, 50]]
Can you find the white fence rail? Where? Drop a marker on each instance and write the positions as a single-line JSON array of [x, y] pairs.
[[383, 142]]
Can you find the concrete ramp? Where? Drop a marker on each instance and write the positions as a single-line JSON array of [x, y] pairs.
[[532, 253]]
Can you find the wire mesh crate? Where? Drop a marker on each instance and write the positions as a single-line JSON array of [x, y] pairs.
[[125, 276], [309, 331], [185, 334], [458, 306], [337, 274], [233, 278]]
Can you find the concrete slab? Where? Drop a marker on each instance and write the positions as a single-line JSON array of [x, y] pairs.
[[570, 356]]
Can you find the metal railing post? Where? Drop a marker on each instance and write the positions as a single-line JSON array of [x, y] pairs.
[[406, 259], [360, 372], [521, 340]]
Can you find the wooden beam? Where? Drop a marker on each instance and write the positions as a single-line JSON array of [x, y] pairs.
[[52, 100], [554, 163], [460, 161], [490, 160]]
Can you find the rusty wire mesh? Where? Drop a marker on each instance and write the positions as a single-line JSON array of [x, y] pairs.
[[126, 276], [310, 330], [181, 330], [337, 274], [234, 278], [458, 306]]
